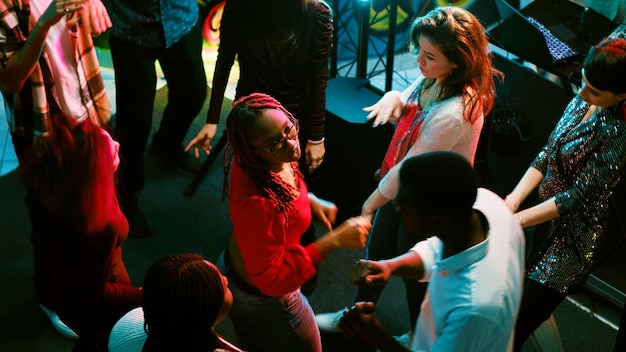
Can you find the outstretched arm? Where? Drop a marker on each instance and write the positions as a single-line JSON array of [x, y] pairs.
[[360, 322], [531, 179], [18, 67], [351, 234], [539, 213], [375, 201]]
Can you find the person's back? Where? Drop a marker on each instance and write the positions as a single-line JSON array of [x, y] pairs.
[[480, 286], [185, 297], [473, 261]]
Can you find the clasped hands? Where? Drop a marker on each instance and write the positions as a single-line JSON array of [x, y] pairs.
[[360, 320]]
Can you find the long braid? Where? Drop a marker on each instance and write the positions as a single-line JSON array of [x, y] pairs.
[[243, 115], [182, 298]]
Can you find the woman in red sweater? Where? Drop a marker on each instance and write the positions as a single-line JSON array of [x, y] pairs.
[[70, 171], [270, 209]]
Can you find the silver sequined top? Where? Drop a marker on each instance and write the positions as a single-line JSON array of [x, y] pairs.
[[582, 163]]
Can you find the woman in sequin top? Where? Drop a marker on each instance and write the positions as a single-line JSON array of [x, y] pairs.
[[575, 174], [442, 110]]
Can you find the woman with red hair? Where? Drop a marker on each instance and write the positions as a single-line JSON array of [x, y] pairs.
[[70, 172]]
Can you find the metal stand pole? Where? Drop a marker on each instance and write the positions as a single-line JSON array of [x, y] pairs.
[[206, 165]]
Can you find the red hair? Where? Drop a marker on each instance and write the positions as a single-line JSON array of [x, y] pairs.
[[461, 38], [70, 170]]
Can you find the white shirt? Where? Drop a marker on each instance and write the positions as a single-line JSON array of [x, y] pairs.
[[444, 128], [473, 297]]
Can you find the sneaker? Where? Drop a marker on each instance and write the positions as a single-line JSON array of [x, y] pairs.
[[138, 223], [327, 322], [58, 325], [405, 339], [184, 162]]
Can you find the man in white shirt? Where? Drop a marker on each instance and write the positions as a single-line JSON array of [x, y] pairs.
[[473, 263]]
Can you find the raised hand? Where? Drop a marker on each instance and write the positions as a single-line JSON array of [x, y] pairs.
[[203, 139], [387, 109]]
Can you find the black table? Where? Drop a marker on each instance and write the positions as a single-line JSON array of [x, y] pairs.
[[563, 18]]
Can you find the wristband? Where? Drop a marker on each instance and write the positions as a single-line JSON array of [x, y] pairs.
[[318, 141]]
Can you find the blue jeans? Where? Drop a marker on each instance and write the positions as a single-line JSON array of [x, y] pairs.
[[264, 323], [388, 238]]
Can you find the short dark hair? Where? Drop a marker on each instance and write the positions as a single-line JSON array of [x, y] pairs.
[[440, 182], [605, 65]]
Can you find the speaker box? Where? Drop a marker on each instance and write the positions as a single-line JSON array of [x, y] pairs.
[[354, 150]]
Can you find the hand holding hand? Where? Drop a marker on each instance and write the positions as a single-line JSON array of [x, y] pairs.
[[370, 273], [358, 320], [367, 214], [512, 203], [387, 109], [352, 233], [324, 211], [203, 139]]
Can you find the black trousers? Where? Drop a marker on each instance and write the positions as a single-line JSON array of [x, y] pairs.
[[135, 85], [538, 302]]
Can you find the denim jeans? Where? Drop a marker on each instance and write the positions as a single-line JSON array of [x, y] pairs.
[[388, 238], [264, 323]]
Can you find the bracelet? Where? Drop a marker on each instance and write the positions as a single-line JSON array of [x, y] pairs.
[[318, 141]]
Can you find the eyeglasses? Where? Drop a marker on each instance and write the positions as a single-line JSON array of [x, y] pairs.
[[277, 146]]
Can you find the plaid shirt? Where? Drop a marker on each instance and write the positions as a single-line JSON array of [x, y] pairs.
[[37, 101]]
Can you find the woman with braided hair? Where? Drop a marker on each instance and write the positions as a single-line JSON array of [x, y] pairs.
[[185, 297], [270, 209]]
